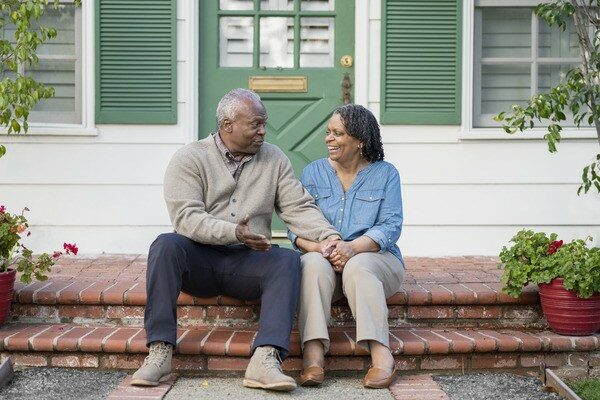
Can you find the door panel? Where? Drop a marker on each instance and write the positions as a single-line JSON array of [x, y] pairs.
[[305, 39]]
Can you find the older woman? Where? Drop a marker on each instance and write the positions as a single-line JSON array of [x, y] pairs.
[[359, 194]]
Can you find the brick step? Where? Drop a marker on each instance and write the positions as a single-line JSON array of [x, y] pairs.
[[228, 349], [460, 291]]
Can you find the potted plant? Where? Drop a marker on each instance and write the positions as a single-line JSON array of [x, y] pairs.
[[15, 257], [568, 275]]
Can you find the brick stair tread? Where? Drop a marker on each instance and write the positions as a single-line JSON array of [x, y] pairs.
[[446, 281], [236, 342]]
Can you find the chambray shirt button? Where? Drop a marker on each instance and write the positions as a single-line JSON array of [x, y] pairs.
[[340, 221], [370, 198], [341, 209]]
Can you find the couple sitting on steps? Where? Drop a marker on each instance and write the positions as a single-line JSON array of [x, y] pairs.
[[345, 216]]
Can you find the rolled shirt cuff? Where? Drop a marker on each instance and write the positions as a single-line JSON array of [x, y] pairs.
[[379, 238]]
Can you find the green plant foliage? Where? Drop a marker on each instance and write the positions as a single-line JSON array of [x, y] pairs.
[[538, 258], [578, 95], [20, 93], [587, 389]]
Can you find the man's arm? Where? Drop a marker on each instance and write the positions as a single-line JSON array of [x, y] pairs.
[[183, 192], [297, 208]]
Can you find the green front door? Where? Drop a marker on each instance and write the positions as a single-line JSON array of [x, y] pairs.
[[297, 54]]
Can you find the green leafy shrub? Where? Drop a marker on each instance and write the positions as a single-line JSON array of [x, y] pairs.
[[538, 258]]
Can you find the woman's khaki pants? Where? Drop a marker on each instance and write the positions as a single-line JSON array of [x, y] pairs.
[[367, 280]]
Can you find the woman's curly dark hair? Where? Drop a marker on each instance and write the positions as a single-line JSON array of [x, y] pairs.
[[361, 124]]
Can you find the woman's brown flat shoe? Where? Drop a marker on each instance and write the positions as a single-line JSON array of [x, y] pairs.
[[378, 378], [311, 376]]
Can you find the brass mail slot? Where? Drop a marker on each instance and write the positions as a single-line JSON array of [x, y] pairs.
[[281, 84]]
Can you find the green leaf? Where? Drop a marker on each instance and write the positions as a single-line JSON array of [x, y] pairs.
[[2, 150]]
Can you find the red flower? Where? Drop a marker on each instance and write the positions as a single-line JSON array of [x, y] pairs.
[[554, 246], [56, 254], [70, 248], [2, 209]]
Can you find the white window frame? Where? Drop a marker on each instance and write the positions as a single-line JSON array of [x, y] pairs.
[[471, 85], [84, 73]]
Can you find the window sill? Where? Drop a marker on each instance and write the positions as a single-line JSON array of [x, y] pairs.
[[536, 133], [52, 131]]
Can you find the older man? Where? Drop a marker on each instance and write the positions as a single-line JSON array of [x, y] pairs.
[[221, 192]]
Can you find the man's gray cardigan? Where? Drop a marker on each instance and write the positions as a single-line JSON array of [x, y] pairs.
[[205, 203]]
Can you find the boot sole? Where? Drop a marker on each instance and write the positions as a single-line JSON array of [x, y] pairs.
[[280, 386], [143, 382]]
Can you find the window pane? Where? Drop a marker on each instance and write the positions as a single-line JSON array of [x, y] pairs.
[[506, 32], [317, 5], [61, 76], [556, 43], [236, 4], [504, 85], [63, 19], [316, 42], [276, 42], [551, 75], [235, 41], [277, 5]]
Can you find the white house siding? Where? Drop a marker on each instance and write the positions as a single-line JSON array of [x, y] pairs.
[[101, 187]]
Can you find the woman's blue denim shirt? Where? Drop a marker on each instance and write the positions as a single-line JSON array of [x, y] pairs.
[[372, 206]]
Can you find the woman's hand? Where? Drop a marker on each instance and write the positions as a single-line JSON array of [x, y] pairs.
[[340, 256], [327, 246]]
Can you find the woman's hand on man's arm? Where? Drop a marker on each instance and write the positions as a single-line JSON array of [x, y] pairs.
[[324, 247], [344, 251]]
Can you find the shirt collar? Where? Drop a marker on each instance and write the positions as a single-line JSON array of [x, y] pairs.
[[222, 148]]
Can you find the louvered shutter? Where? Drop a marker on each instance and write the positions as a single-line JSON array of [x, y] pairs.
[[421, 62], [136, 61]]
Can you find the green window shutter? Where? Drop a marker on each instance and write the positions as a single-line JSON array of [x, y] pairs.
[[136, 62], [421, 62]]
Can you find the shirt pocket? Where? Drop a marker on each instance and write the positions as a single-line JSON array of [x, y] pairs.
[[366, 207], [322, 195]]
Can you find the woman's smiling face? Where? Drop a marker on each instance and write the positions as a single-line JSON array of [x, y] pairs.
[[341, 145]]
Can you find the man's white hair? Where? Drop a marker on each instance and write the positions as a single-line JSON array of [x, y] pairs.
[[230, 103]]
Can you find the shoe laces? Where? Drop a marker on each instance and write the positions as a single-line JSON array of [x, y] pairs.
[[158, 354], [272, 360]]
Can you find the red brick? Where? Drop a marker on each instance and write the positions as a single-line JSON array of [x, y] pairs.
[[34, 310], [442, 362], [29, 360], [395, 312], [189, 363], [578, 359], [70, 295], [357, 349], [121, 361], [188, 312], [45, 340], [215, 344], [461, 294], [191, 342], [491, 361], [292, 364], [49, 294], [295, 348], [484, 294], [126, 391], [528, 342], [117, 342], [137, 343], [434, 344], [417, 295], [227, 363], [458, 343], [406, 363], [217, 312], [241, 344], [506, 343], [479, 312], [340, 344], [483, 344], [412, 345], [93, 341], [184, 299], [396, 345], [555, 342], [439, 294], [69, 341], [400, 298], [116, 293], [20, 340], [78, 311], [75, 361], [586, 343], [125, 312], [227, 301], [595, 359], [93, 293], [522, 312], [549, 360], [430, 312], [137, 295]]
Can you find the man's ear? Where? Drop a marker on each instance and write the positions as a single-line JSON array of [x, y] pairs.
[[227, 125]]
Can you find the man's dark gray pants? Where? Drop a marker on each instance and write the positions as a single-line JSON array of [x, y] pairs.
[[176, 263]]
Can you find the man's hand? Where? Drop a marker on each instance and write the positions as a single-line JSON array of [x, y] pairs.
[[249, 238], [327, 246], [341, 254]]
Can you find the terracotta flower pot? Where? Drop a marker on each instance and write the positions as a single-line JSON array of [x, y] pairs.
[[7, 284], [568, 314]]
